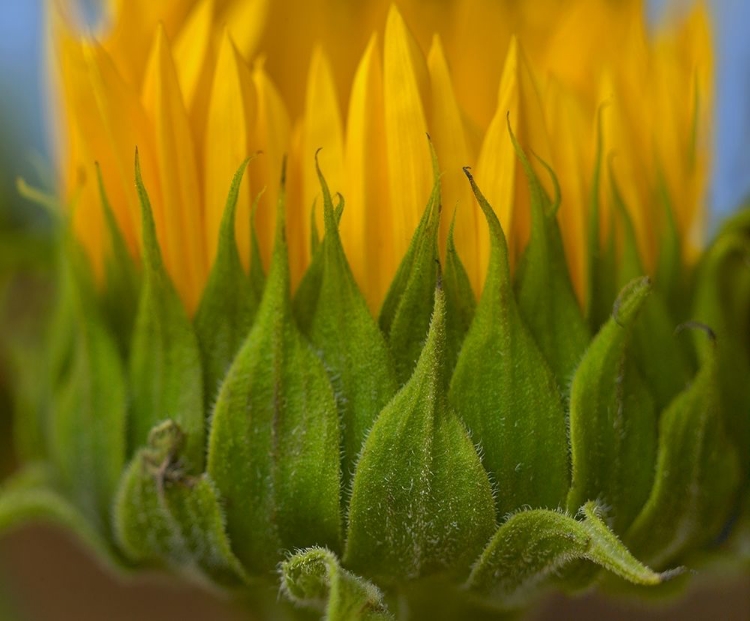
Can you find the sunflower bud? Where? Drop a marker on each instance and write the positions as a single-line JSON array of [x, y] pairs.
[[218, 400]]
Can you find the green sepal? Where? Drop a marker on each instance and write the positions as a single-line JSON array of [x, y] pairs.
[[663, 360], [166, 380], [305, 300], [229, 301], [166, 517], [507, 395], [87, 423], [59, 333], [43, 196], [119, 297], [256, 276], [407, 308], [314, 235], [460, 303], [697, 473], [545, 293], [39, 363], [274, 440], [613, 419], [32, 402], [196, 507], [40, 370], [30, 496], [601, 286], [421, 502], [349, 342], [629, 262], [721, 301], [532, 547], [313, 578], [605, 276], [144, 528], [671, 275]]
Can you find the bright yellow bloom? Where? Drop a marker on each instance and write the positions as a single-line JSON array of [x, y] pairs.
[[198, 85]]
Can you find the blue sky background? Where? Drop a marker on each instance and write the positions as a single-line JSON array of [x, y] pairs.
[[22, 98]]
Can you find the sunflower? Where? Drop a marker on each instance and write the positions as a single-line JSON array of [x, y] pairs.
[[387, 305]]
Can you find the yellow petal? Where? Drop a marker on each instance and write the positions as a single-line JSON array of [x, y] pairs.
[[481, 29], [322, 129], [426, 19], [106, 122], [453, 149], [230, 113], [79, 176], [631, 168], [121, 127], [587, 36], [246, 21], [136, 21], [683, 64], [405, 88], [194, 59], [293, 30], [572, 145], [66, 62], [496, 165], [697, 44], [270, 134], [366, 226], [502, 178], [181, 238]]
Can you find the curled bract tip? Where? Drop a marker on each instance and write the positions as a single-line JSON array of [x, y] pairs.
[[697, 325]]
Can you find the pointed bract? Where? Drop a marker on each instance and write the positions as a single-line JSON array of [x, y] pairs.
[[505, 392], [421, 502], [274, 440]]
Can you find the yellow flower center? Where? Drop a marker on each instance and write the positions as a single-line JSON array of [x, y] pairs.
[[199, 85]]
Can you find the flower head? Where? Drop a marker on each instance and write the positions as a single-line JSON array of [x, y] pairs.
[[483, 177]]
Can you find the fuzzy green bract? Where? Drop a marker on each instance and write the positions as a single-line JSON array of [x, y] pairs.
[[535, 545], [315, 579], [91, 395], [612, 418], [230, 299], [454, 458], [306, 297], [460, 304], [351, 346], [721, 301], [122, 282], [406, 310], [507, 395], [421, 501], [166, 377], [164, 516], [405, 314], [663, 360], [274, 442], [601, 272], [697, 473], [545, 292]]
